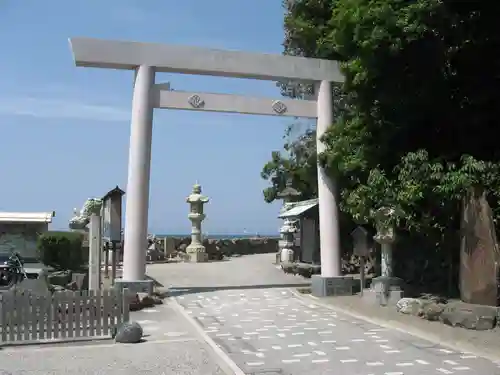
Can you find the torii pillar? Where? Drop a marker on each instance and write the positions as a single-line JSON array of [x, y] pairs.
[[146, 59]]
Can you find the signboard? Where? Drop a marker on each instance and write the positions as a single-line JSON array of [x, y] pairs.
[[360, 242], [362, 250], [112, 216]]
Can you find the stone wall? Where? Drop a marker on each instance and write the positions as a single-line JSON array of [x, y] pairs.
[[218, 248]]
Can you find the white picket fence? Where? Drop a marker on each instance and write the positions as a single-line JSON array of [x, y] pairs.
[[62, 316]]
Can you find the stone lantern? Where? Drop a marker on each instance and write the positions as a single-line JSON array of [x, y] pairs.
[[388, 288], [288, 194], [196, 200], [288, 229], [287, 241]]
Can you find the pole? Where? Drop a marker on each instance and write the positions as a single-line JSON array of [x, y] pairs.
[[106, 260], [94, 252], [113, 263]]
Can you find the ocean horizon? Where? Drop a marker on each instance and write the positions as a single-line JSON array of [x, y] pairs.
[[220, 236]]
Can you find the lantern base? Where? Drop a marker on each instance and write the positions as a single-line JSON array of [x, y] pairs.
[[385, 291], [322, 286], [197, 253]]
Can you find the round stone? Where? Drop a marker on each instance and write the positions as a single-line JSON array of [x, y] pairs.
[[129, 333]]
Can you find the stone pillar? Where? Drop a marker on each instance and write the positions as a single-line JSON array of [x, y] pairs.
[[387, 288], [331, 281], [95, 250], [136, 215], [196, 250]]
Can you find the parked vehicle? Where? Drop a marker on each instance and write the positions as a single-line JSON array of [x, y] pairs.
[[11, 269]]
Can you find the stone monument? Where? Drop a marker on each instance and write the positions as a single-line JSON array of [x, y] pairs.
[[479, 252], [88, 220], [288, 229], [196, 200], [387, 288]]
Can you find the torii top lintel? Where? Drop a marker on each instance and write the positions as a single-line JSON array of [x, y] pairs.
[[112, 54]]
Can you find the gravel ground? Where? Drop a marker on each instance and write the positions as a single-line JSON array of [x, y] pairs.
[[171, 346], [175, 357]]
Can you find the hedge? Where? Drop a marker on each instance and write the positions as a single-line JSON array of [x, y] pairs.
[[61, 250]]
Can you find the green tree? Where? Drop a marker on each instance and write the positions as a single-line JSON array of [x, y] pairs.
[[419, 127], [296, 162], [415, 85]]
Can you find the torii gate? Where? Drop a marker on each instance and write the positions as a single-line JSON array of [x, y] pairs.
[[146, 59]]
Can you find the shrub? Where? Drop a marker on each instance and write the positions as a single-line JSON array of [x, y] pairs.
[[61, 250]]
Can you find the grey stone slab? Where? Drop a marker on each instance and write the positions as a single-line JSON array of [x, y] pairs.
[[331, 286]]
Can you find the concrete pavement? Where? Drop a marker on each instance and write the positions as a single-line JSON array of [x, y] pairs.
[[239, 272], [274, 332]]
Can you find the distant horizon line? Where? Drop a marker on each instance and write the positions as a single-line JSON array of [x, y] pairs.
[[226, 234], [220, 234]]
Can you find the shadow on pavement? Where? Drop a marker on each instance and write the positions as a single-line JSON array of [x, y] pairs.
[[179, 291]]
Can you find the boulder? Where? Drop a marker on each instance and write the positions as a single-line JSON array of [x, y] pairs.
[[304, 270], [134, 302], [139, 301], [476, 317], [145, 300], [129, 333], [431, 311], [289, 268], [61, 278], [433, 298], [410, 306], [307, 270]]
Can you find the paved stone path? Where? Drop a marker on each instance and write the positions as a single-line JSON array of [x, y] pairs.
[[158, 324], [271, 331]]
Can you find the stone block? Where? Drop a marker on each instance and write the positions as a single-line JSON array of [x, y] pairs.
[[432, 311], [409, 306], [331, 286], [386, 291], [198, 257], [61, 278], [476, 317]]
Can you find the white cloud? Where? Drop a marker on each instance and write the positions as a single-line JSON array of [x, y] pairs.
[[56, 108]]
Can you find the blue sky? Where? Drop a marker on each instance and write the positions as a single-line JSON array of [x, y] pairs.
[[65, 130]]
